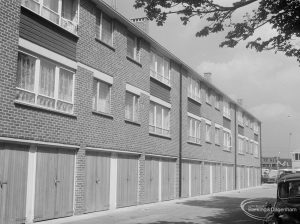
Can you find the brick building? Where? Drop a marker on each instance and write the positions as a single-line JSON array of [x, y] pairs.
[[96, 115]]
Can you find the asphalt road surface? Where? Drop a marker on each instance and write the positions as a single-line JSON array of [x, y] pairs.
[[219, 208]]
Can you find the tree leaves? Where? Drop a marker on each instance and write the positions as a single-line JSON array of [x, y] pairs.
[[282, 15]]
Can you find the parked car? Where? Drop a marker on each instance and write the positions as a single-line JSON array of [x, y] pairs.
[[286, 209]]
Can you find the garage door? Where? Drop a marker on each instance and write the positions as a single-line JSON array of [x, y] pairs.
[[97, 181], [185, 179], [168, 179], [206, 179], [196, 178], [13, 178], [216, 175], [224, 173], [151, 179], [127, 180], [54, 183]]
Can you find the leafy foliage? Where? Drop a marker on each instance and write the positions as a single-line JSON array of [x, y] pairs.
[[282, 15]]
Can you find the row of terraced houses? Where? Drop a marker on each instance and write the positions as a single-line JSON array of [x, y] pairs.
[[97, 115]]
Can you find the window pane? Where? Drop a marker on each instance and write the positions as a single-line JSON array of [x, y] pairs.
[[104, 98], [65, 89], [160, 66], [166, 70], [69, 8], [130, 45], [26, 71], [95, 83], [136, 108], [51, 4], [159, 119], [106, 30], [151, 114], [152, 65], [198, 134], [129, 106], [166, 124], [47, 79]]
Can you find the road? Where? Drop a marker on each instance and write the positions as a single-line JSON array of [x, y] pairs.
[[219, 208]]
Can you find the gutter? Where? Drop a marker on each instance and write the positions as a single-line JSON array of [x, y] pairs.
[[235, 147], [180, 132]]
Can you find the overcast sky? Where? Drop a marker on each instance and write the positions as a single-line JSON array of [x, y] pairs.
[[268, 83]]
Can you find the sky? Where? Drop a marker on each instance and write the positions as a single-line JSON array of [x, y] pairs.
[[268, 83]]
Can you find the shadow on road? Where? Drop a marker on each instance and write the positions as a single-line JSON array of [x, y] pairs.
[[230, 211]]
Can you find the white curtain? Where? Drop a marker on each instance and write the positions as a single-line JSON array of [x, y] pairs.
[[166, 70], [104, 98], [69, 8], [129, 106], [130, 46], [65, 90], [26, 71], [106, 30], [51, 4], [166, 124], [47, 79], [136, 108]]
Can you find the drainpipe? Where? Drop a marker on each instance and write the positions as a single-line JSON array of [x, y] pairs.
[[235, 147], [180, 131]]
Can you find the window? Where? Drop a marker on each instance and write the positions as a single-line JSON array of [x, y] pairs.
[[133, 47], [297, 157], [63, 13], [246, 120], [101, 96], [240, 145], [208, 96], [159, 119], [256, 128], [194, 134], [43, 83], [194, 89], [226, 109], [217, 136], [208, 132], [227, 140], [218, 102], [240, 117], [104, 31], [255, 150], [246, 146], [251, 148], [160, 68], [131, 107]]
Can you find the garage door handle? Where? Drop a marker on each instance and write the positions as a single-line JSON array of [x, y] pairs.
[[56, 181], [2, 183]]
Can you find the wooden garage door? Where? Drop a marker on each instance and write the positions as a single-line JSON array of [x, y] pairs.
[[206, 179], [127, 180], [168, 179], [224, 173], [13, 186], [97, 181], [196, 178], [54, 183], [216, 177], [185, 179], [151, 179]]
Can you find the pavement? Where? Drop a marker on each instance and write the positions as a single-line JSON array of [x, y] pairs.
[[217, 208]]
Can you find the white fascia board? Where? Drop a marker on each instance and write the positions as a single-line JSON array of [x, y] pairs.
[[135, 90], [159, 101], [47, 53], [97, 74]]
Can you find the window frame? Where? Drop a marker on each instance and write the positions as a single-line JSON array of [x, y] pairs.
[[37, 78], [226, 109], [137, 47], [164, 108], [227, 140], [208, 96], [218, 102], [197, 137], [193, 93], [97, 96], [154, 74], [135, 96], [41, 5], [208, 132], [217, 135], [100, 31]]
